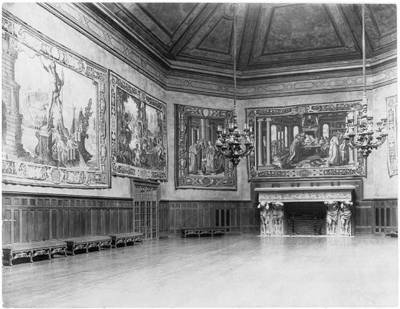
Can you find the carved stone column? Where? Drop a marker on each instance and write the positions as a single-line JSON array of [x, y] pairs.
[[345, 213], [332, 217], [268, 143], [11, 117], [277, 218], [259, 142]]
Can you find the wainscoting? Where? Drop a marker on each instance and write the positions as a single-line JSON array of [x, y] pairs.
[[236, 215], [376, 216], [36, 217], [28, 217]]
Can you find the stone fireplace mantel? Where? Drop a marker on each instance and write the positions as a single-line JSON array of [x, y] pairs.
[[305, 194]]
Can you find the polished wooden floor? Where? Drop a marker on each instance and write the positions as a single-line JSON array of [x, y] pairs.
[[234, 271]]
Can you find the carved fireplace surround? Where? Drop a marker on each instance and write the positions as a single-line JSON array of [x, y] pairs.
[[336, 201]]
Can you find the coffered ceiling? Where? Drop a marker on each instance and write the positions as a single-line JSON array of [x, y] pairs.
[[199, 36]]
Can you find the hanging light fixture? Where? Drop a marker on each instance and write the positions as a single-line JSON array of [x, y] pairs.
[[360, 130], [233, 143]]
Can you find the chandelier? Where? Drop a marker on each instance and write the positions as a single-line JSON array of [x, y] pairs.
[[233, 143], [360, 130]]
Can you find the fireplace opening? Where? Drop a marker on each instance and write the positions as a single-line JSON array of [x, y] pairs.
[[305, 218]]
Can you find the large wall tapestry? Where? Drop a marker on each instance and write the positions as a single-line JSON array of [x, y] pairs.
[[138, 132], [198, 164], [55, 113], [303, 141], [391, 107]]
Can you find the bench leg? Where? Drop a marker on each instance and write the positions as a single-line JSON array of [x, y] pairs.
[[7, 259]]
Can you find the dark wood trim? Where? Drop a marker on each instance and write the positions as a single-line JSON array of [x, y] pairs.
[[206, 201], [62, 195]]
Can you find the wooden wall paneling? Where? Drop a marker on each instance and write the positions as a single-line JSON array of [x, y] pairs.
[[75, 224], [121, 222], [37, 217], [50, 221], [147, 210], [82, 219], [72, 221], [23, 225], [20, 224], [207, 216], [30, 225], [385, 216], [7, 225], [131, 220], [136, 211], [7, 221], [232, 214], [126, 219], [148, 223], [61, 223], [106, 222], [113, 220], [15, 225], [93, 213], [65, 221], [100, 221], [163, 217], [53, 219], [36, 224]]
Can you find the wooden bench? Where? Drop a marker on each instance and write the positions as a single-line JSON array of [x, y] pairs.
[[32, 249], [203, 231], [126, 238], [87, 243]]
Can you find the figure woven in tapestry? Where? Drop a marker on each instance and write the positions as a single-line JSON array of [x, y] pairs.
[[138, 132], [303, 141], [55, 117], [200, 164]]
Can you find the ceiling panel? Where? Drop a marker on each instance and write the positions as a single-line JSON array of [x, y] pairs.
[[300, 27], [168, 16], [268, 35]]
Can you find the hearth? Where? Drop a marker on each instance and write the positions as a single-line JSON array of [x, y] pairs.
[[305, 218], [306, 210]]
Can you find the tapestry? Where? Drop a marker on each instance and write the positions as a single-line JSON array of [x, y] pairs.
[[303, 141], [391, 108], [198, 163], [54, 113], [138, 132]]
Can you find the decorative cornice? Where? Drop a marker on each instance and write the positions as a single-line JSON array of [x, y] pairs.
[[339, 193], [199, 79], [81, 20]]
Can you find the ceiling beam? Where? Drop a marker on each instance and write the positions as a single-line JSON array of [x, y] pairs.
[[248, 34], [355, 24], [199, 21]]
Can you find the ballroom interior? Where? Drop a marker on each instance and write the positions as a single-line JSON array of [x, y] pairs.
[[199, 154]]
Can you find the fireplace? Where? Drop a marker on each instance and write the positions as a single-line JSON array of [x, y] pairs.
[[305, 218], [308, 210]]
